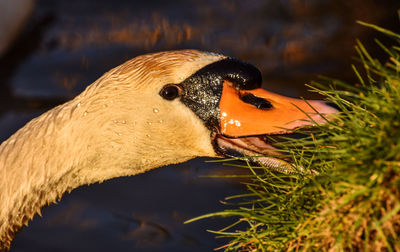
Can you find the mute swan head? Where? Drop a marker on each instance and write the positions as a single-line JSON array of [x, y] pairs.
[[156, 109], [206, 104]]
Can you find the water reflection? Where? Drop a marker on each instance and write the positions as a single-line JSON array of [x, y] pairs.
[[66, 45]]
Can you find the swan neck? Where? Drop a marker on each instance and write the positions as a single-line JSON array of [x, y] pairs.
[[87, 140], [32, 171]]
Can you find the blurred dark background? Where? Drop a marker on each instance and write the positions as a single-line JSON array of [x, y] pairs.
[[50, 50]]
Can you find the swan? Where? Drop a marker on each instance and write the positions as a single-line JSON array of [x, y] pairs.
[[151, 111]]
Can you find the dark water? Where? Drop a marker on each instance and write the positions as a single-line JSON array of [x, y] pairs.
[[67, 45]]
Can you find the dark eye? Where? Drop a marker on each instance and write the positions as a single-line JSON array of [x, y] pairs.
[[170, 91], [258, 102]]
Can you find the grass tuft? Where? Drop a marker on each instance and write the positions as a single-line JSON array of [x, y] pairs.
[[352, 200]]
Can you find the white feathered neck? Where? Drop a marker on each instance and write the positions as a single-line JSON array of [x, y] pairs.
[[119, 126]]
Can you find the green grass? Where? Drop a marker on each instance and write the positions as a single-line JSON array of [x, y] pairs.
[[353, 202]]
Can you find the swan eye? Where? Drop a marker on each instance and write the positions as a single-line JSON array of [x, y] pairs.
[[170, 91]]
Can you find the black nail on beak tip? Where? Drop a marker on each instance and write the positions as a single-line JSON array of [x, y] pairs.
[[333, 105]]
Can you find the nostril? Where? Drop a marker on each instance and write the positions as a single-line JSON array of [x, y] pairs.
[[333, 105], [256, 101]]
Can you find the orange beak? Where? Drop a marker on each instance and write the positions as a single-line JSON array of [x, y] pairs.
[[239, 118]]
